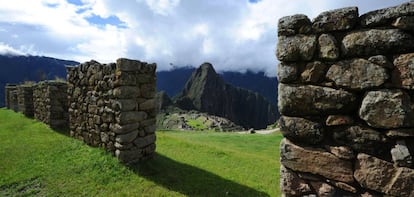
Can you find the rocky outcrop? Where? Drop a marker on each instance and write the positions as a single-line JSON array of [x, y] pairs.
[[347, 106], [206, 92]]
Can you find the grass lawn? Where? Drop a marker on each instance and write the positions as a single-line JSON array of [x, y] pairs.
[[37, 161]]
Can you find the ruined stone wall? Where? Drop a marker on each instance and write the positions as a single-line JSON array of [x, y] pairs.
[[11, 97], [25, 99], [50, 103], [346, 96], [113, 106]]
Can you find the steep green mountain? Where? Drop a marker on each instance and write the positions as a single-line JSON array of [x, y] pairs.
[[206, 91], [17, 69]]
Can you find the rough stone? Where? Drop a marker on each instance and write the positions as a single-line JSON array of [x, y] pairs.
[[295, 100], [301, 130], [118, 129], [328, 48], [131, 117], [343, 186], [291, 184], [336, 120], [381, 61], [295, 48], [287, 72], [404, 22], [400, 133], [382, 176], [314, 72], [315, 162], [323, 189], [403, 75], [377, 41], [361, 139], [387, 109], [126, 138], [145, 141], [126, 92], [357, 74], [296, 24], [129, 156], [401, 155], [128, 65], [386, 15], [342, 152], [124, 104], [335, 20], [148, 104]]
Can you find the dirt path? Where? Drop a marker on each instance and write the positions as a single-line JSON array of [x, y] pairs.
[[264, 131]]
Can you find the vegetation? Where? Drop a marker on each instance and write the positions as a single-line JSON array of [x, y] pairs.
[[34, 160]]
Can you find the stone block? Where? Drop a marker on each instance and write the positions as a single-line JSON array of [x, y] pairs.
[[336, 20], [296, 48], [301, 130], [296, 24]]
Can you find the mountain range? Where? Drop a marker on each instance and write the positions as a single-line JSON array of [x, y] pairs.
[[17, 69]]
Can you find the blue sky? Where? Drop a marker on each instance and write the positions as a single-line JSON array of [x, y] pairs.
[[231, 34]]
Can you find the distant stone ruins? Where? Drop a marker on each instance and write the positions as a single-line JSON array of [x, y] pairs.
[[347, 103], [113, 106], [105, 105]]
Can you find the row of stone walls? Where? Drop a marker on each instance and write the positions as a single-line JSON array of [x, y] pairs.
[[113, 106], [11, 97], [347, 103], [50, 100]]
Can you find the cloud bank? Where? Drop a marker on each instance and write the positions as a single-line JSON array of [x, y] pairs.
[[231, 34]]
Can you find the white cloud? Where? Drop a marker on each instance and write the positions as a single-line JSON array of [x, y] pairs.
[[8, 50], [231, 34]]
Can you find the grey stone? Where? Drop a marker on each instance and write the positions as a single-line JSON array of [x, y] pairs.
[[361, 139], [404, 22], [314, 72], [124, 104], [126, 92], [328, 48], [301, 130], [128, 156], [121, 129], [148, 104], [382, 176], [376, 41], [335, 20], [295, 100], [150, 129], [296, 48], [386, 15], [127, 137], [403, 75], [336, 120], [401, 155], [342, 152], [141, 142], [357, 74], [387, 109], [296, 24], [301, 159], [131, 117], [128, 65], [323, 189], [381, 61], [400, 133], [291, 184], [287, 72]]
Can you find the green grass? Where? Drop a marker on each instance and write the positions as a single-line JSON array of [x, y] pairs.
[[36, 161]]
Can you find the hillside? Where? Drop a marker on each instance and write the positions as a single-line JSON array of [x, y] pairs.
[[206, 91], [37, 161], [16, 69]]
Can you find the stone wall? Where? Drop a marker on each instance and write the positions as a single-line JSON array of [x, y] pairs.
[[113, 106], [11, 97], [51, 103], [25, 99], [346, 96]]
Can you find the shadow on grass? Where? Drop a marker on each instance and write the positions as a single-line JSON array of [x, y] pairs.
[[190, 180]]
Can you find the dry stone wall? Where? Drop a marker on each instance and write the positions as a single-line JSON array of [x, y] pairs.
[[346, 96], [11, 97], [50, 102], [25, 99], [113, 106]]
